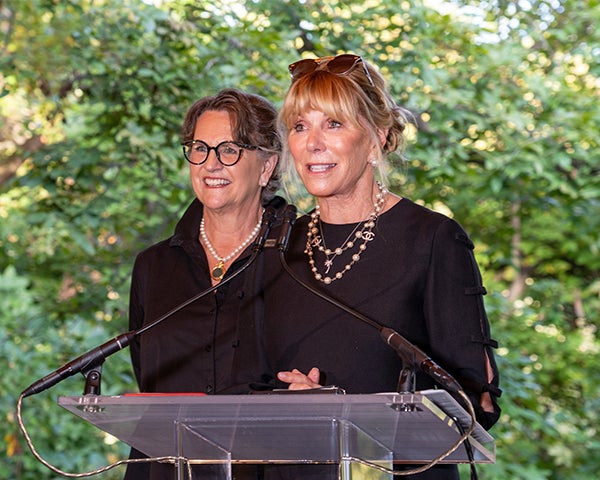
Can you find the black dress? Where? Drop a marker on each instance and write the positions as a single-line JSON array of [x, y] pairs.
[[419, 277]]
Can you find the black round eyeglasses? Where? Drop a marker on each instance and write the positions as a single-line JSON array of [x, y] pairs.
[[228, 153]]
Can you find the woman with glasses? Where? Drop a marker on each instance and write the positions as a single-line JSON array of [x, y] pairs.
[[231, 143], [397, 263]]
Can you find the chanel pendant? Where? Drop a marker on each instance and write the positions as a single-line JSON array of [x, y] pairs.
[[218, 272]]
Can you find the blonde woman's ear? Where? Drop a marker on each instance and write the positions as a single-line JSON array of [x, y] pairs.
[[382, 134]]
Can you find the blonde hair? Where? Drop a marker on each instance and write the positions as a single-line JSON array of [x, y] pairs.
[[349, 97]]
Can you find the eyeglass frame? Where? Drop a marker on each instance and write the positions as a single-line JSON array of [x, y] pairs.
[[317, 62], [242, 146]]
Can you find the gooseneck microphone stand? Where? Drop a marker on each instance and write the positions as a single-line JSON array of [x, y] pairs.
[[412, 357], [90, 363]]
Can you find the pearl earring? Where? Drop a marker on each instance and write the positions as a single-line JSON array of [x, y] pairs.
[[373, 162]]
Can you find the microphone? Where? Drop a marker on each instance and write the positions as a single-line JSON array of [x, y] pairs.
[[268, 218], [97, 356], [93, 358], [289, 218], [412, 356], [415, 356]]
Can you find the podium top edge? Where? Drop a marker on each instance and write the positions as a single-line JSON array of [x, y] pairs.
[[187, 398]]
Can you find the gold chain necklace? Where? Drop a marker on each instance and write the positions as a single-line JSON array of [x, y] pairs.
[[366, 234]]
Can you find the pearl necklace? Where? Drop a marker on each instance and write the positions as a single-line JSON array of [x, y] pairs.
[[218, 272], [366, 234]]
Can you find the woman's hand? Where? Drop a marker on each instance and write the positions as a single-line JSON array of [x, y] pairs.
[[298, 381]]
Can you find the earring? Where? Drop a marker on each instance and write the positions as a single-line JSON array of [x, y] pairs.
[[373, 162]]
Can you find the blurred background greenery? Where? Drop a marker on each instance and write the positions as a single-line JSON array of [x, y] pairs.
[[92, 96]]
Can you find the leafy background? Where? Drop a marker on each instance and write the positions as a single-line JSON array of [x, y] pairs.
[[92, 95]]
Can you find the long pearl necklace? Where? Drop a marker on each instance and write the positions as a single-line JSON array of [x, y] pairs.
[[366, 234], [218, 272]]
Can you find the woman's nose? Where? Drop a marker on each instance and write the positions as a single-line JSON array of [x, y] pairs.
[[212, 161], [314, 141]]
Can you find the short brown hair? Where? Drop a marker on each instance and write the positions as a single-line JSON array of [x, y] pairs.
[[253, 121]]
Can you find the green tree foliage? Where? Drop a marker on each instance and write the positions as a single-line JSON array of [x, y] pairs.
[[505, 95]]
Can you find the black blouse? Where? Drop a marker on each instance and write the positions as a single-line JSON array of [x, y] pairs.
[[210, 345]]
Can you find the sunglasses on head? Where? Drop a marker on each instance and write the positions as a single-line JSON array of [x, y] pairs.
[[338, 65]]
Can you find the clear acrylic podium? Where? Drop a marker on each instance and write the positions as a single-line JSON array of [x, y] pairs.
[[224, 430]]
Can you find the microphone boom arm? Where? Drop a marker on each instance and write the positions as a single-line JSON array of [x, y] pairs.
[[90, 363], [412, 356]]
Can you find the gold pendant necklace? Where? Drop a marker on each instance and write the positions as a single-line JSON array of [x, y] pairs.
[[218, 272]]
